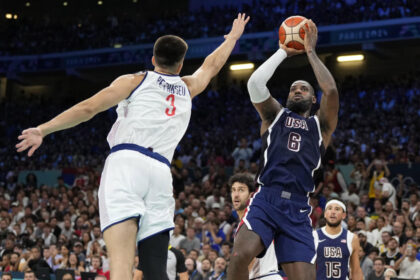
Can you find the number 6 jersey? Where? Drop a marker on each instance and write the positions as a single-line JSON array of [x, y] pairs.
[[155, 115], [291, 152]]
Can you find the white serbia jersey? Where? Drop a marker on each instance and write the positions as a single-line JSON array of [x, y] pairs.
[[155, 115], [266, 268]]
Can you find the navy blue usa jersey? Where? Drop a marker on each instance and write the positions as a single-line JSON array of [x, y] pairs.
[[333, 254], [291, 152]]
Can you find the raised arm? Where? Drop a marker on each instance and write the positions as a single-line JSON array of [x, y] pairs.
[[198, 81], [264, 103], [328, 111], [81, 112]]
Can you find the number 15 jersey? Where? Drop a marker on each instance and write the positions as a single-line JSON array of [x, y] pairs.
[[155, 115]]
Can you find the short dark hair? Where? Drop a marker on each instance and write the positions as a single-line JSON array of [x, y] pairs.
[[379, 259], [244, 179], [169, 51], [7, 274], [28, 271]]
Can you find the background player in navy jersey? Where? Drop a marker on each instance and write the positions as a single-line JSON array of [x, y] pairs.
[[292, 145], [337, 248]]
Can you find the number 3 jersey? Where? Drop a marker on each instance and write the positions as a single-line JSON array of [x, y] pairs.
[[333, 254], [155, 115], [291, 152]]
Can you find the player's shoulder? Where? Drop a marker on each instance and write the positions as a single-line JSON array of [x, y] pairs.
[[132, 79]]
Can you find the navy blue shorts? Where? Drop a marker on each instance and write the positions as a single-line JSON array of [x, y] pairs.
[[283, 217]]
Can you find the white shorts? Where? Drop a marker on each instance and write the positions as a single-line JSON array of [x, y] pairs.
[[134, 185]]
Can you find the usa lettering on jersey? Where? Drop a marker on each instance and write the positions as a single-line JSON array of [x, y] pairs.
[[172, 89], [332, 252], [296, 123]]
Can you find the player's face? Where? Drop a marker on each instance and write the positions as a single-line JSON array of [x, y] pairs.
[[240, 195], [334, 214], [300, 97]]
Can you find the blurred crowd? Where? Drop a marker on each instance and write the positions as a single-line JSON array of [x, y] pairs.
[[90, 30], [57, 226]]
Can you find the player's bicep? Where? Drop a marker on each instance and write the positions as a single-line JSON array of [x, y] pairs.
[[328, 113], [268, 111], [198, 81], [354, 259], [117, 91]]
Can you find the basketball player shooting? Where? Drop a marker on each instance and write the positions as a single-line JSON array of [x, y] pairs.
[[293, 142], [154, 109]]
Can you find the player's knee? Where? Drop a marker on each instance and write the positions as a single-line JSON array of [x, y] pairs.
[[241, 257]]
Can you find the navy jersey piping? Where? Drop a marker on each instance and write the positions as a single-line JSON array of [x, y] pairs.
[[145, 75]]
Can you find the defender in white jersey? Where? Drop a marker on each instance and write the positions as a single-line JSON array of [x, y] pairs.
[[266, 268], [154, 107]]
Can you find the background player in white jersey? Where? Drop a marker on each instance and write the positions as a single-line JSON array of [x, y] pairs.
[[337, 248], [241, 187], [135, 195]]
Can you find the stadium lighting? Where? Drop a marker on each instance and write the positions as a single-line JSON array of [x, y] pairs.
[[9, 16], [348, 58], [135, 1], [117, 45], [15, 17], [100, 2], [242, 66], [65, 4], [28, 4]]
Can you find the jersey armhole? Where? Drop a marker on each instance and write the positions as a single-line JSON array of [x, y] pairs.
[[144, 78]]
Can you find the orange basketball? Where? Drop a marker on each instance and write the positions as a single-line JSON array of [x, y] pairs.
[[291, 32]]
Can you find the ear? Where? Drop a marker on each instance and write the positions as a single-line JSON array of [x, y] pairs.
[[344, 215], [153, 61], [313, 99]]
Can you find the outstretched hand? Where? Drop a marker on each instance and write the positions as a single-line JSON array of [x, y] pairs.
[[311, 35], [30, 138], [238, 27]]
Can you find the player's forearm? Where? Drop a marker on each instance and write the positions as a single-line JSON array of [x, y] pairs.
[[75, 115], [215, 61], [257, 83], [322, 74]]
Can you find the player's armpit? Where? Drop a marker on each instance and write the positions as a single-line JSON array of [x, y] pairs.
[[268, 111]]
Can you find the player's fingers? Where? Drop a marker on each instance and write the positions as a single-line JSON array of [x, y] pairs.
[[32, 150], [20, 144], [22, 148], [247, 19], [20, 137]]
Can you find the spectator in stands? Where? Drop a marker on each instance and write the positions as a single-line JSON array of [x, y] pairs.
[[29, 275], [206, 268], [392, 254], [219, 270], [193, 273], [378, 270], [364, 244], [100, 277], [67, 276], [6, 276], [191, 241], [242, 152], [214, 235], [351, 195], [176, 237], [366, 262], [390, 274], [35, 261], [387, 191], [96, 266], [73, 263], [408, 265], [376, 170], [358, 176]]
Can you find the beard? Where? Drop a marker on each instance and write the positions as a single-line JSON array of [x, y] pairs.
[[242, 206], [300, 106], [336, 224]]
